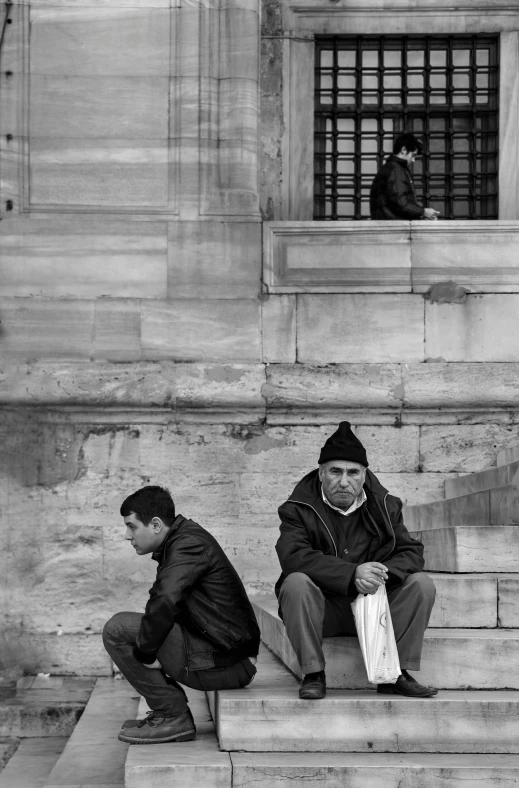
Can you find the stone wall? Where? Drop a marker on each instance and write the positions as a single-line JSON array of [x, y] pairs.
[[138, 343]]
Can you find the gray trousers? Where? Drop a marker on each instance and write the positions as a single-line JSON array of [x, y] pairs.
[[161, 688], [309, 615]]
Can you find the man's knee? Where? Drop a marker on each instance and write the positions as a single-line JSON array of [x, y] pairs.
[[113, 627], [422, 585], [298, 586]]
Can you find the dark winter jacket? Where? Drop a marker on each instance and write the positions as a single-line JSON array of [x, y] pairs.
[[392, 192], [197, 586], [306, 543]]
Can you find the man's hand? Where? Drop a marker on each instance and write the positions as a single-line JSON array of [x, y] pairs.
[[430, 213], [369, 577], [154, 665]]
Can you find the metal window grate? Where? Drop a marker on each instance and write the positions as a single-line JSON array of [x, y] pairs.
[[443, 89]]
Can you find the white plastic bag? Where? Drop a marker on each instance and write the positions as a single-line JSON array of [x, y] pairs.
[[376, 636]]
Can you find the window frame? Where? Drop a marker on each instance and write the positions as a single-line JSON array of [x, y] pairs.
[[316, 18]]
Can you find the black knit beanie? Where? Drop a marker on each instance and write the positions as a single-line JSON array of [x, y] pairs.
[[343, 445]]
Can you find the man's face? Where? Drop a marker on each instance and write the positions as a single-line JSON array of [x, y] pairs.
[[408, 155], [144, 538], [342, 481]]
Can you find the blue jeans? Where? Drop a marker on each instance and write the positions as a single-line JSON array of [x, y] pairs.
[[160, 688]]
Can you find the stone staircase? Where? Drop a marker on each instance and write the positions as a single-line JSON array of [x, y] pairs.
[[265, 736]]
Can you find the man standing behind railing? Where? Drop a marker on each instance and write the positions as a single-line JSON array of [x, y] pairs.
[[392, 195]]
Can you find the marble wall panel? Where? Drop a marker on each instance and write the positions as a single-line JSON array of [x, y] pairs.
[[480, 256], [238, 42], [214, 259], [51, 329], [357, 328], [278, 326], [467, 448], [99, 107], [484, 328], [508, 125], [99, 173], [83, 258], [209, 330], [77, 40], [117, 330]]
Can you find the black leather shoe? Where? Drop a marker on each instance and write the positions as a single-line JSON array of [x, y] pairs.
[[159, 729], [408, 686], [313, 686]]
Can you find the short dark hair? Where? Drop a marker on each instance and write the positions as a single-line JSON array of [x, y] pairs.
[[150, 502], [409, 142]]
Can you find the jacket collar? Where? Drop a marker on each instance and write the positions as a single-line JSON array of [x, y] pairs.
[[396, 159], [158, 554]]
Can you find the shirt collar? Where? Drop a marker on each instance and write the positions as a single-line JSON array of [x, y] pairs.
[[357, 503]]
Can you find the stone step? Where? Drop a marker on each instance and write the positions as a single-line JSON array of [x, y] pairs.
[[268, 716], [506, 456], [32, 762], [451, 659], [44, 707], [93, 756], [373, 770], [194, 764], [471, 548], [499, 506], [501, 476]]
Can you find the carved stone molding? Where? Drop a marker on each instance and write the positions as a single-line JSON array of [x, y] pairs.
[[390, 257]]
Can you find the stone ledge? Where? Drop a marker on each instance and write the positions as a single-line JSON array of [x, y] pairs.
[[398, 257]]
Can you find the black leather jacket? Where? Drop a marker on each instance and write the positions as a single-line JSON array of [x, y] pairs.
[[197, 587], [306, 543], [392, 192]]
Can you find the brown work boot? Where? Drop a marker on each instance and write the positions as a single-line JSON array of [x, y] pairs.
[[313, 686], [156, 728]]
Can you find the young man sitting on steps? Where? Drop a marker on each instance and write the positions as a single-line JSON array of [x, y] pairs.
[[343, 534], [198, 627]]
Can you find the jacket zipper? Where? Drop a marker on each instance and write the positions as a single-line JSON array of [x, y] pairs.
[[301, 503], [392, 529]]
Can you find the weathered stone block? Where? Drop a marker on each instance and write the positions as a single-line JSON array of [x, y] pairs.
[[331, 257], [278, 320], [414, 488], [116, 385], [485, 480], [454, 605], [207, 331], [102, 108], [360, 328], [465, 448], [214, 260], [471, 548], [472, 509], [115, 40], [464, 385], [508, 600], [119, 172], [480, 256], [360, 770], [34, 329], [83, 259], [481, 329], [117, 330], [293, 387]]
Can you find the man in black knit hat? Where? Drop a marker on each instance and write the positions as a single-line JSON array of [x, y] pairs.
[[343, 534]]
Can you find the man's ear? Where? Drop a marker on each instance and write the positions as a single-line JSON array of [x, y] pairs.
[[320, 473], [156, 523]]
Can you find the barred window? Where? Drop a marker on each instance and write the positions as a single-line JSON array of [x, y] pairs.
[[443, 89]]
